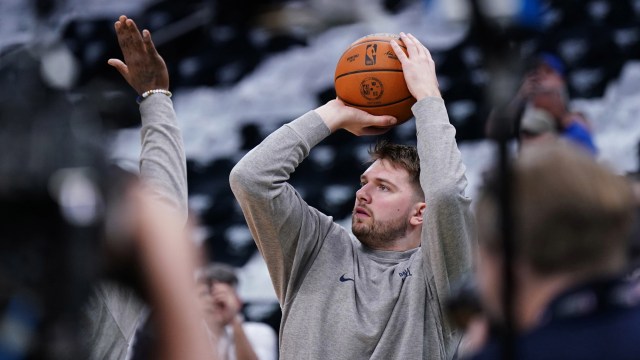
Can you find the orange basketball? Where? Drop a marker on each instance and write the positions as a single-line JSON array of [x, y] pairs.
[[369, 77]]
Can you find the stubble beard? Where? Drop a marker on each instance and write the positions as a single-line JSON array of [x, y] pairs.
[[379, 234]]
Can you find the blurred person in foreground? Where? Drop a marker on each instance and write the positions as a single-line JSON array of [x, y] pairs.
[[234, 338], [115, 310], [377, 292], [572, 219], [168, 260]]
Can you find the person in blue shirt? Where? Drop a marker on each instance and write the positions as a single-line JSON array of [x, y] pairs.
[[548, 93], [540, 109]]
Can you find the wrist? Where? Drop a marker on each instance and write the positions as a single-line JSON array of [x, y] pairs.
[[328, 115], [148, 93], [428, 93]]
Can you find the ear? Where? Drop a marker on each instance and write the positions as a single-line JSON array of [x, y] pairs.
[[417, 213]]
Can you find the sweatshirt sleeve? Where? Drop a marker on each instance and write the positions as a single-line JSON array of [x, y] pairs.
[[287, 231], [115, 312], [448, 222], [162, 160]]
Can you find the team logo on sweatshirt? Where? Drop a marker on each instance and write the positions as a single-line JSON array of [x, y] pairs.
[[405, 273]]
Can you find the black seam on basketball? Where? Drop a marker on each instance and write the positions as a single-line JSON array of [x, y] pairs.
[[363, 71], [374, 106], [374, 40]]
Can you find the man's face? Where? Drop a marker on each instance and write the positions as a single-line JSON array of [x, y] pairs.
[[219, 302], [547, 94], [383, 205], [226, 302]]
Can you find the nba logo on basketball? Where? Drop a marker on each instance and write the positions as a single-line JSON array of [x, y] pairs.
[[370, 54], [371, 88]]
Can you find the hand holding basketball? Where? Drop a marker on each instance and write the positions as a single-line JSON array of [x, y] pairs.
[[418, 67], [336, 115], [369, 77]]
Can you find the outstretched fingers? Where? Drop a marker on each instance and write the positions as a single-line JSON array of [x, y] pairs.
[[148, 43], [421, 48], [121, 34], [133, 30], [129, 38], [418, 67], [413, 48], [120, 31], [399, 52], [142, 66]]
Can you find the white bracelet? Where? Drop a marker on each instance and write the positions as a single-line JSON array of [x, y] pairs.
[[147, 93]]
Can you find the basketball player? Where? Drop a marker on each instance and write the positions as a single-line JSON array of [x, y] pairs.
[[381, 294]]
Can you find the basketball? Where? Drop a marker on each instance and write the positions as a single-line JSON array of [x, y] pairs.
[[369, 77]]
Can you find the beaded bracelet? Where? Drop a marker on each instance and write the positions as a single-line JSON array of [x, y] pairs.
[[154, 91]]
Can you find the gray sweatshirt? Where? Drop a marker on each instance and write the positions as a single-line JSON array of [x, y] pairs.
[[114, 311], [340, 299]]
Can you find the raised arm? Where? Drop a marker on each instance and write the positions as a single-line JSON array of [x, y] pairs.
[[115, 311], [448, 222], [275, 213], [162, 160]]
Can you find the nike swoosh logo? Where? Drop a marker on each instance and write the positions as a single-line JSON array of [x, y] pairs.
[[344, 279]]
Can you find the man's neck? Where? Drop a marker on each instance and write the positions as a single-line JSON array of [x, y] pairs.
[[399, 244]]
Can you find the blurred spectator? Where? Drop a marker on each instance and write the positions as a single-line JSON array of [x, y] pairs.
[[52, 202], [234, 338], [536, 125], [169, 260], [549, 92], [540, 109], [58, 200], [115, 310], [572, 221], [634, 245]]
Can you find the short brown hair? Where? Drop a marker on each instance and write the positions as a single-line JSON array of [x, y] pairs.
[[217, 272], [570, 214], [404, 156]]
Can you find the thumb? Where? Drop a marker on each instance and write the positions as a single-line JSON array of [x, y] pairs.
[[373, 130], [120, 66], [382, 120]]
